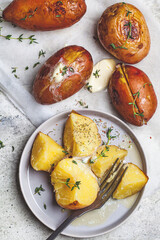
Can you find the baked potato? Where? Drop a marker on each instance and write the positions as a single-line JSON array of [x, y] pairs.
[[132, 182], [44, 15], [105, 156], [62, 75], [81, 137], [132, 94], [123, 32], [74, 183], [45, 153]]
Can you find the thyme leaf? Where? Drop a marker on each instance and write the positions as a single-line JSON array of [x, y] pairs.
[[134, 105], [65, 152], [39, 190], [35, 65], [74, 162], [41, 53], [1, 144]]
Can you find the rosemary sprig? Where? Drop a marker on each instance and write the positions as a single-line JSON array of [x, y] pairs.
[[31, 38], [39, 190], [109, 135], [102, 154], [68, 183], [136, 95], [129, 33]]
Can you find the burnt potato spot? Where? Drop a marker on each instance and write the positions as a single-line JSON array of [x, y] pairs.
[[115, 96]]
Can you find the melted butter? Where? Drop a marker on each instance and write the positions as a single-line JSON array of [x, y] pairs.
[[57, 74], [104, 70], [99, 216]]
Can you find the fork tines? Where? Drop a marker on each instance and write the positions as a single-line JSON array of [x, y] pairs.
[[111, 180]]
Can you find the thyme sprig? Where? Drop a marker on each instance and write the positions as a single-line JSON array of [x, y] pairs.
[[68, 183], [129, 33], [109, 135], [31, 15], [41, 53], [20, 38], [1, 144], [14, 70], [136, 95], [96, 74], [102, 154], [39, 190]]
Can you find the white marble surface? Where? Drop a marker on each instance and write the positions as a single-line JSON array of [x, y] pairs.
[[17, 221]]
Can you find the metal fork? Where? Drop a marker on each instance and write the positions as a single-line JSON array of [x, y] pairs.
[[108, 184]]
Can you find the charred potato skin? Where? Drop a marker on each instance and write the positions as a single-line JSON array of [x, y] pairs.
[[47, 91], [44, 15], [124, 83], [112, 28]]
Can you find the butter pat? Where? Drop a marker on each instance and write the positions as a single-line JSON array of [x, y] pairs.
[[101, 74], [57, 74]]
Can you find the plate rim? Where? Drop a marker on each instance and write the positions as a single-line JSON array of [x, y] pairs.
[[92, 111]]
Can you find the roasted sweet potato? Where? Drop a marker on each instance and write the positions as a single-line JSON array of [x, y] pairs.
[[123, 32], [74, 183], [44, 15], [62, 75], [132, 94]]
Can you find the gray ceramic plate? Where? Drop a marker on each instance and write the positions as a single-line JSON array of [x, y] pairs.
[[53, 215]]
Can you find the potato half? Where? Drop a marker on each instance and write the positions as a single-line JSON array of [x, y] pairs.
[[81, 137], [44, 15], [74, 183], [45, 153], [105, 157], [123, 32], [132, 182], [62, 75]]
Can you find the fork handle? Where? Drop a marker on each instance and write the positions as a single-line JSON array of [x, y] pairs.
[[63, 226]]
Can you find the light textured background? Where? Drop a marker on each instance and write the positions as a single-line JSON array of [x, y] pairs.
[[16, 220]]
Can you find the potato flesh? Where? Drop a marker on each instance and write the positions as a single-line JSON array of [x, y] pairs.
[[45, 153], [102, 164], [132, 182], [77, 198], [81, 136]]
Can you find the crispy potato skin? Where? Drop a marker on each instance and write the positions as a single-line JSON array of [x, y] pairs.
[[47, 91], [124, 83], [44, 15], [113, 28]]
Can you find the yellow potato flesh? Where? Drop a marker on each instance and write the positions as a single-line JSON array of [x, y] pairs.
[[45, 153], [81, 136], [76, 198], [102, 164], [132, 182]]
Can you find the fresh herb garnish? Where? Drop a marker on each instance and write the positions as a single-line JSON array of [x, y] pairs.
[[136, 95], [96, 74], [39, 190], [102, 154], [14, 69], [65, 69], [1, 144], [44, 205], [89, 87], [20, 38], [129, 33], [74, 162], [65, 152], [12, 148], [35, 65], [109, 135], [57, 16], [26, 68], [68, 183], [83, 104], [31, 15], [41, 53]]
